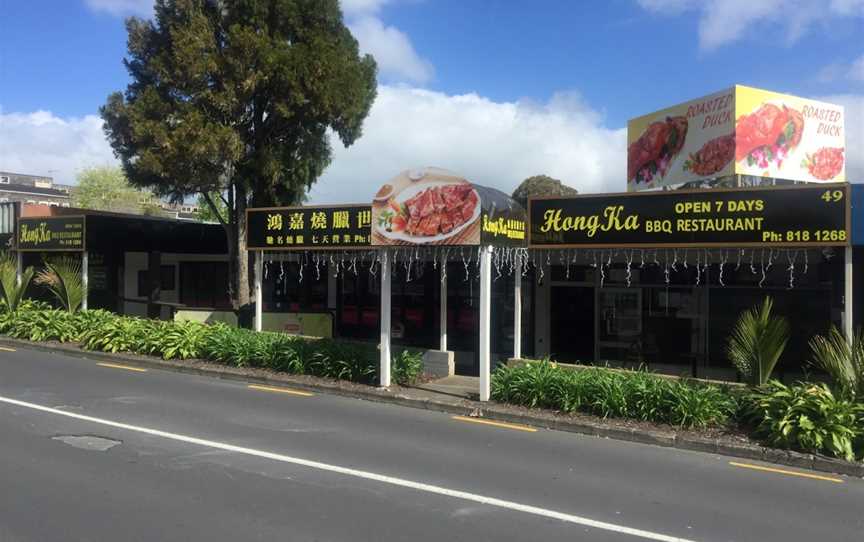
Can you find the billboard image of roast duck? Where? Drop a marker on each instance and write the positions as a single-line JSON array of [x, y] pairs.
[[787, 137], [741, 130], [432, 206]]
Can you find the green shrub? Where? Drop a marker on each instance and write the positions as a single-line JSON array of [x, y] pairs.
[[118, 334], [343, 361], [232, 346], [41, 325], [11, 292], [621, 394], [407, 367], [807, 417], [757, 342], [182, 340], [842, 360], [62, 277]]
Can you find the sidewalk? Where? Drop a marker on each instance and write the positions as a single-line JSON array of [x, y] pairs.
[[455, 395]]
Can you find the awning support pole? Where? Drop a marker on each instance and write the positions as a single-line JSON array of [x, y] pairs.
[[384, 370], [485, 320], [85, 278], [517, 310], [19, 271], [259, 297], [443, 316], [848, 327]]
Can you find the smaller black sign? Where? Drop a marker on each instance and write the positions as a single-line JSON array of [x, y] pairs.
[[56, 233], [301, 228], [503, 221]]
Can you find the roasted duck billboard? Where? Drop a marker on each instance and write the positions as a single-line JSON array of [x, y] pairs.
[[688, 142], [786, 137], [741, 130], [433, 206]]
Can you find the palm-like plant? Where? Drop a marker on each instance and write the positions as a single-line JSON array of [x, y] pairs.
[[757, 342], [63, 278], [842, 359], [12, 292]]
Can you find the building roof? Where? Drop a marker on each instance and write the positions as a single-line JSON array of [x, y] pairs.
[[36, 191]]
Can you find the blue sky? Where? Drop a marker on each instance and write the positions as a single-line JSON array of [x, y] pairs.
[[495, 89]]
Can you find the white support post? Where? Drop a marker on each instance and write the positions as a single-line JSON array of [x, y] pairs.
[[517, 310], [385, 320], [85, 278], [847, 296], [19, 271], [259, 296], [485, 320], [443, 316]]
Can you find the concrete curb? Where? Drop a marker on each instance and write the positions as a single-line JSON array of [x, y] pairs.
[[465, 407]]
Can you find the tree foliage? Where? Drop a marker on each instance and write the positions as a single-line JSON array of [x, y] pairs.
[[105, 188], [843, 359], [238, 97], [541, 185]]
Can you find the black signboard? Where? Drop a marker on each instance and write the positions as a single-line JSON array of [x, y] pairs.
[[302, 228], [778, 216], [56, 233], [503, 221]]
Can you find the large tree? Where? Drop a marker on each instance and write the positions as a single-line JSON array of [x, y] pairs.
[[541, 185], [238, 98]]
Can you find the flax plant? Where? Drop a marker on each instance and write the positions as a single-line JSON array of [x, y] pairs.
[[842, 359], [12, 292], [757, 342], [63, 279]]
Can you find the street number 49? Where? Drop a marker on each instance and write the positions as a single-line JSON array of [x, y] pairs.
[[832, 196]]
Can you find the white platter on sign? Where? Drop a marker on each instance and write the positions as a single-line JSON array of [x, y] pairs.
[[412, 191]]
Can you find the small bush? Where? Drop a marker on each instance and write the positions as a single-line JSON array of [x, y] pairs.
[[807, 417], [842, 359], [621, 394], [407, 367], [41, 325]]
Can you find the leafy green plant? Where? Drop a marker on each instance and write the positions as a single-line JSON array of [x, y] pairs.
[[607, 393], [63, 279], [806, 417], [842, 359], [42, 325], [182, 340], [12, 292], [757, 342], [343, 361], [407, 367]]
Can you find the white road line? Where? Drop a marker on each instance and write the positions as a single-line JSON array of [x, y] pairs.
[[419, 486]]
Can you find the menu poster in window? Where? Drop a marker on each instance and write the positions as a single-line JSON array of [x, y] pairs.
[[55, 233], [812, 215], [301, 228]]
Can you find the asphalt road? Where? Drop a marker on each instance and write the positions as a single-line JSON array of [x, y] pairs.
[[197, 458]]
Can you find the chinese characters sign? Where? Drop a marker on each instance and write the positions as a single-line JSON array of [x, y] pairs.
[[794, 216], [59, 233], [297, 228]]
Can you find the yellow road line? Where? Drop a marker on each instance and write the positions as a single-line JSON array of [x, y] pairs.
[[115, 366], [788, 472], [281, 390], [505, 425], [4, 349]]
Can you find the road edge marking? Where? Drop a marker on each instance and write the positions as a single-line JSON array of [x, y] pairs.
[[505, 425], [381, 478], [280, 390], [126, 367], [7, 349], [787, 472]]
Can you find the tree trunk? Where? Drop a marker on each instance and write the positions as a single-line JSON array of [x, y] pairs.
[[241, 257]]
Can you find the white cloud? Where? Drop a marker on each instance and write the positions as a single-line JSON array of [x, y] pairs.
[[362, 7], [495, 144], [725, 21], [44, 144], [122, 7], [392, 50]]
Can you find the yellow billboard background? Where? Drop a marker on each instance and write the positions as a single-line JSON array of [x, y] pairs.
[[816, 151]]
